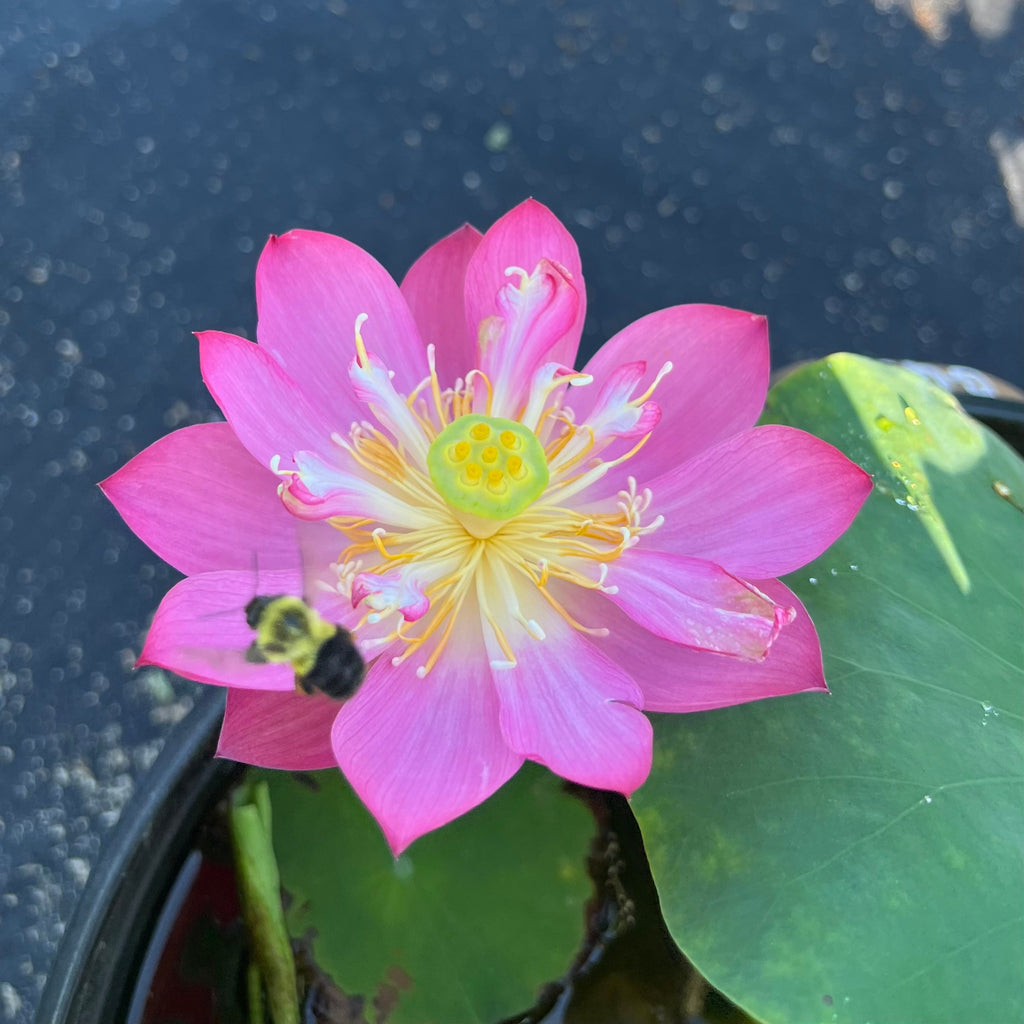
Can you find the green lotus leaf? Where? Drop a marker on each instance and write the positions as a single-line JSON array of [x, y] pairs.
[[857, 856], [467, 925]]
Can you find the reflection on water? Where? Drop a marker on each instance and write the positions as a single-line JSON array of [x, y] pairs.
[[1009, 154], [989, 19]]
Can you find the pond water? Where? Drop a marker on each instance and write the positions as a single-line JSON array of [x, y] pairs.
[[848, 167]]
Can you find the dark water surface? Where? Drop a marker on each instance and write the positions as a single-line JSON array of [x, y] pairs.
[[833, 164]]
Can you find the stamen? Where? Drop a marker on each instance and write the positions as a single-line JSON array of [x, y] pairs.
[[558, 445], [523, 275], [419, 408], [666, 369], [431, 661], [567, 488], [598, 631], [435, 387], [537, 409], [361, 356], [578, 457], [510, 658], [378, 536], [471, 391]]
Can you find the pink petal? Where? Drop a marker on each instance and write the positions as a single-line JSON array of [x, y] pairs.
[[394, 590], [717, 386], [202, 502], [310, 287], [266, 408], [616, 413], [761, 504], [420, 752], [287, 730], [434, 288], [535, 310], [317, 490], [522, 238], [374, 387], [695, 603], [676, 678], [200, 631], [570, 707]]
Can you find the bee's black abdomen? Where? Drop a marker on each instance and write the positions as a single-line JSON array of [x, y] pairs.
[[339, 668]]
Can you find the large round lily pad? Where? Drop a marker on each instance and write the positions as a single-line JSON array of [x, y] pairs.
[[857, 856], [467, 925]]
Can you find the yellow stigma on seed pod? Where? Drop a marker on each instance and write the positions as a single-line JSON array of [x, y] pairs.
[[487, 468]]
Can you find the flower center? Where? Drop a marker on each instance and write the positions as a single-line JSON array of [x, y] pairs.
[[487, 468], [461, 507]]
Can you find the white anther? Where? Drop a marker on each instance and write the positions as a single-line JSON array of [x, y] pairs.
[[666, 369], [523, 275]]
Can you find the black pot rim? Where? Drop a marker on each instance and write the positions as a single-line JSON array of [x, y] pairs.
[[92, 974]]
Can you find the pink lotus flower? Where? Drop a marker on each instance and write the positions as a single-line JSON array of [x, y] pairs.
[[529, 556]]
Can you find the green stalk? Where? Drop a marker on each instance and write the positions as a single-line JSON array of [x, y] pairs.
[[254, 994], [259, 886]]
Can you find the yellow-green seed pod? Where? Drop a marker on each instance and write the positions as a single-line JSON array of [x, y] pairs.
[[487, 466]]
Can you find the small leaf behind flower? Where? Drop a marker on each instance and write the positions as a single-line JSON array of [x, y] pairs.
[[469, 924]]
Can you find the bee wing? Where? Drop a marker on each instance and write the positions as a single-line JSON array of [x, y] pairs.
[[204, 635], [233, 668], [211, 636]]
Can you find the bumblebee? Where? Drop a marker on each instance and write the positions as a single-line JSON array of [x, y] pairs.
[[324, 656]]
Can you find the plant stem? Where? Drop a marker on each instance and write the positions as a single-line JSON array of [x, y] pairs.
[[260, 889]]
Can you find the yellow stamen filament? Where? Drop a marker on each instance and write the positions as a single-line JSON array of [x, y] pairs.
[[575, 623], [557, 447], [378, 542], [501, 638], [637, 402], [361, 357], [470, 377], [435, 387], [588, 447]]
